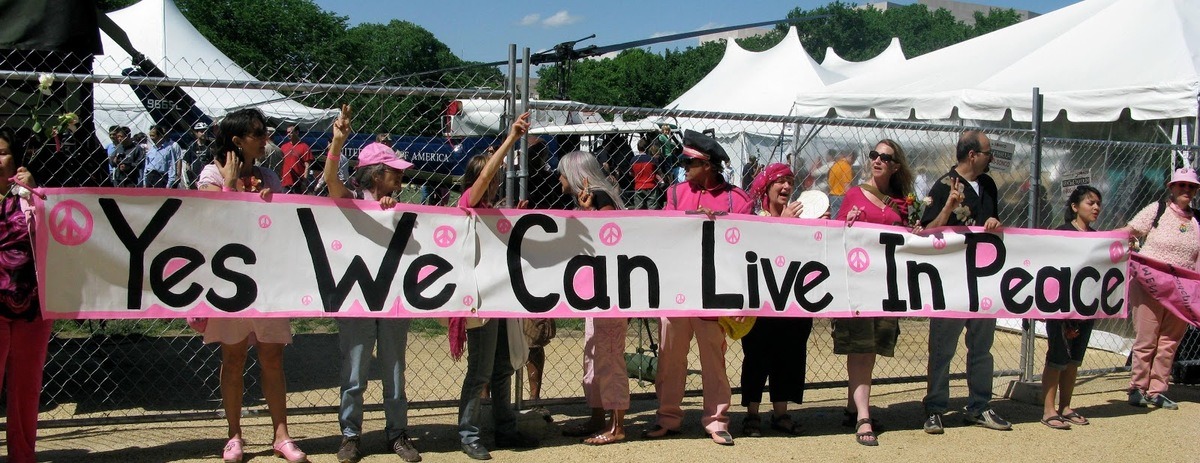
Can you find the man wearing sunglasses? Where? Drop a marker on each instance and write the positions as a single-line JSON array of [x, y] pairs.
[[965, 195]]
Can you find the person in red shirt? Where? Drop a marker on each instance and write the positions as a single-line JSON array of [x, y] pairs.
[[297, 156]]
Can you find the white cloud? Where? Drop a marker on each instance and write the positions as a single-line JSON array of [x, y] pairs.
[[530, 19], [562, 18], [709, 25], [662, 34]]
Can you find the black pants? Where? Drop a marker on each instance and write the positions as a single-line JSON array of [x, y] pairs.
[[776, 348], [156, 179]]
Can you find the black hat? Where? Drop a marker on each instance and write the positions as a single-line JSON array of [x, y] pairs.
[[697, 145]]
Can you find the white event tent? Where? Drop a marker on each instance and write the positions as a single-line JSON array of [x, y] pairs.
[[1093, 60], [159, 31]]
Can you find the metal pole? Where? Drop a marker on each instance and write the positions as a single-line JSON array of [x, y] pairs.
[[525, 92], [510, 174], [1035, 207]]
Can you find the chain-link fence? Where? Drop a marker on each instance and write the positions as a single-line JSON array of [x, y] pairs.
[[100, 371]]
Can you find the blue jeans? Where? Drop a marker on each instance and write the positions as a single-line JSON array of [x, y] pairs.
[[487, 362], [943, 341], [357, 337]]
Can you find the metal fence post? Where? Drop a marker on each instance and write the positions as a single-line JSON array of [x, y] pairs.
[[510, 175], [1028, 335]]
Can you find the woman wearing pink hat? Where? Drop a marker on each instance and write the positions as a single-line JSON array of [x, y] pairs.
[[770, 337], [881, 199], [376, 178], [1172, 235]]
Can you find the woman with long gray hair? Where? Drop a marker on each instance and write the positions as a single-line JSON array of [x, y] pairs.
[[605, 385]]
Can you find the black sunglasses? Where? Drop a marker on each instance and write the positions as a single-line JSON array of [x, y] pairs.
[[881, 156]]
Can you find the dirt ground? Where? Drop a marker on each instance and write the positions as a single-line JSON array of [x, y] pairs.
[[1118, 432]]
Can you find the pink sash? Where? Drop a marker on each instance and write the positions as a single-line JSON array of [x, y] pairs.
[[1176, 288]]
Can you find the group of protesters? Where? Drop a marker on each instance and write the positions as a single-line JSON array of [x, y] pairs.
[[494, 349]]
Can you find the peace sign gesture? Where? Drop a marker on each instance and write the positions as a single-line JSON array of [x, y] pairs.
[[584, 198], [956, 195], [341, 125]]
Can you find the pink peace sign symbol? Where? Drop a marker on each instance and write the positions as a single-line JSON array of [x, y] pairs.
[[939, 243], [818, 236], [779, 261], [444, 236], [986, 303], [733, 235], [1116, 251], [858, 259], [264, 221], [336, 245], [306, 300], [1025, 263], [610, 234], [680, 298], [71, 223], [468, 300], [504, 226]]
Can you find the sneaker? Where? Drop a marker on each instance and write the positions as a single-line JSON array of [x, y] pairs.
[[933, 424], [348, 452], [476, 451], [989, 419], [516, 441], [1137, 398], [1161, 401], [404, 448]]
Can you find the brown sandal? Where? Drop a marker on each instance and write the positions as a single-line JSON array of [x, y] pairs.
[[604, 438], [861, 437]]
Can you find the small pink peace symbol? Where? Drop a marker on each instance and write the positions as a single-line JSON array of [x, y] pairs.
[[986, 303], [610, 234], [1116, 251], [336, 245], [858, 259], [679, 298], [306, 300], [1025, 263], [939, 243], [264, 221], [818, 236], [779, 261], [733, 235], [504, 226], [468, 300], [444, 236], [70, 223]]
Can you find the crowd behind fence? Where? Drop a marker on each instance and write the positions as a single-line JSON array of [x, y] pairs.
[[112, 370]]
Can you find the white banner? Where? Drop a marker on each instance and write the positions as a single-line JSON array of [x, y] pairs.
[[107, 253]]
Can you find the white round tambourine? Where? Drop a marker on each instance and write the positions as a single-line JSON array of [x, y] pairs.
[[815, 204]]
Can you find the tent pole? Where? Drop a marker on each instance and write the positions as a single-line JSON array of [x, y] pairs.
[[1035, 205]]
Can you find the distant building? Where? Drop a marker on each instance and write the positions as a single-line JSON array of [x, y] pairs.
[[962, 11], [738, 34]]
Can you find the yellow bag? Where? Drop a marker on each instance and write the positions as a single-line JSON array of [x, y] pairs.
[[736, 329]]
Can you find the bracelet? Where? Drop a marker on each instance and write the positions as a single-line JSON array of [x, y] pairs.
[[226, 188]]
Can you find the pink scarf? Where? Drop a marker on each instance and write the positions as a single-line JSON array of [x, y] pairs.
[[458, 337]]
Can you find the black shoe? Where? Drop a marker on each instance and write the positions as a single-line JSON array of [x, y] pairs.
[[516, 441], [476, 451], [405, 449], [348, 452]]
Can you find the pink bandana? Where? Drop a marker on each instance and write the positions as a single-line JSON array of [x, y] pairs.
[[773, 172]]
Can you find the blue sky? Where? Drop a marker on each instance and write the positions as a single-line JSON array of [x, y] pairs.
[[480, 30]]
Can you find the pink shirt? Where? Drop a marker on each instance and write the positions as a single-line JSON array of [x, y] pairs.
[[870, 212], [1175, 241], [727, 198]]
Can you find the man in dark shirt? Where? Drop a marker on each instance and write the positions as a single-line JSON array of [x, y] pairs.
[[965, 195]]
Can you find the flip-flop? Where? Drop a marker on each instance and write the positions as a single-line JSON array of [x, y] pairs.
[[1063, 423], [604, 439], [721, 437], [1076, 418]]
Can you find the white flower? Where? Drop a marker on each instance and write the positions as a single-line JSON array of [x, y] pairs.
[[44, 83], [928, 201]]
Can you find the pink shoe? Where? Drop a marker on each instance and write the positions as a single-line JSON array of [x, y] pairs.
[[233, 451], [288, 450]]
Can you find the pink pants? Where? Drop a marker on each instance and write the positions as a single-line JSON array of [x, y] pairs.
[[672, 372], [1158, 334], [605, 379], [23, 355]]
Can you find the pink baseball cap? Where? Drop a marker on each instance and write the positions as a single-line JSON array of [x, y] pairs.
[[1184, 175], [379, 153]]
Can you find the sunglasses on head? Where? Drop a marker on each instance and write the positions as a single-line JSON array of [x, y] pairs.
[[873, 155]]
